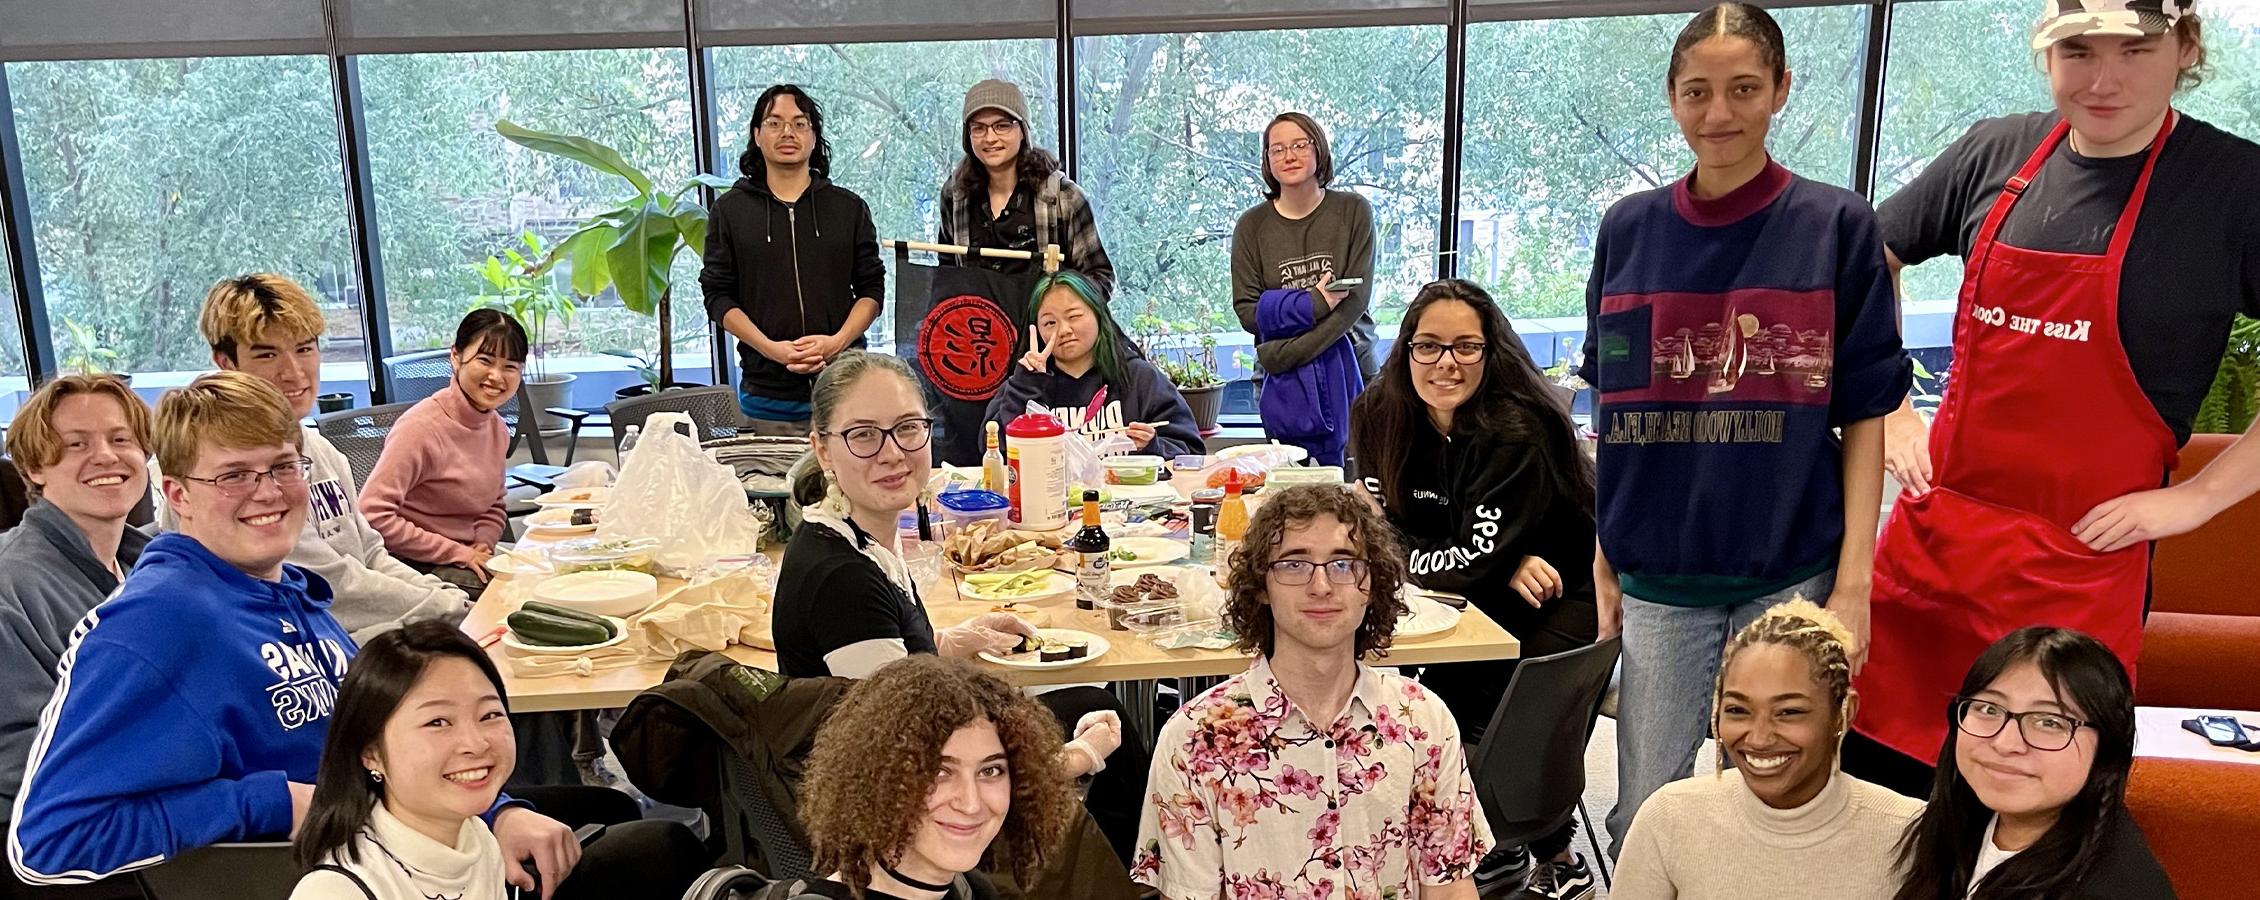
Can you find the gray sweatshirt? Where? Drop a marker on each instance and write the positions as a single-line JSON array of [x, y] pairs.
[[53, 579], [374, 591], [1271, 251]]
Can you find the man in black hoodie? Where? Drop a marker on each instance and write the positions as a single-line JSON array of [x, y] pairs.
[[792, 262]]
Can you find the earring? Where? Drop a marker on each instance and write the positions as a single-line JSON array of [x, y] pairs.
[[376, 776], [835, 501]]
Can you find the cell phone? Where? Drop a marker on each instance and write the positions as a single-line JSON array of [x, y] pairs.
[[2222, 731], [1344, 282]]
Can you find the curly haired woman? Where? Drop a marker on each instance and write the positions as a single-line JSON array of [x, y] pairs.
[[970, 762]]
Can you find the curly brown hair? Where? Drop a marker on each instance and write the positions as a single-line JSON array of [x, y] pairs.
[[1249, 613], [861, 808]]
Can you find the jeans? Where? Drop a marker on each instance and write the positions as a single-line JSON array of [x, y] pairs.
[[1671, 659]]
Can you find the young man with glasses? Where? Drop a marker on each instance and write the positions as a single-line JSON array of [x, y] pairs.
[[1312, 774], [1287, 254], [191, 707], [1009, 194], [792, 265], [266, 325]]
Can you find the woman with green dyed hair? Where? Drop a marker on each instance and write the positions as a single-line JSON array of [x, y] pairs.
[[1074, 350]]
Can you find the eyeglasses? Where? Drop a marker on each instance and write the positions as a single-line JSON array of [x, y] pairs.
[[865, 441], [1466, 352], [1297, 146], [2041, 730], [238, 482], [780, 126], [1295, 572], [1000, 128]]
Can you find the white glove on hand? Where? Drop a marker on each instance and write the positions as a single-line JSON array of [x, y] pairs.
[[988, 632], [1097, 735]]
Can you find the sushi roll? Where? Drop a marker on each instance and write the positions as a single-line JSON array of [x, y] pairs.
[[1074, 648], [1054, 651]]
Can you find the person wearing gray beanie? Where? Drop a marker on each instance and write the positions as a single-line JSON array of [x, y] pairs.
[[1008, 194]]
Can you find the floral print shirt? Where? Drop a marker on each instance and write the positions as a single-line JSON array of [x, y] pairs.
[[1251, 800]]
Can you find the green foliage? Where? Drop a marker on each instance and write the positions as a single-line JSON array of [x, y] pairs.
[[641, 364], [639, 238], [530, 296], [2234, 401], [83, 351]]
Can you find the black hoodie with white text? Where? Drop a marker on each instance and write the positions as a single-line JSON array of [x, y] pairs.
[[795, 269]]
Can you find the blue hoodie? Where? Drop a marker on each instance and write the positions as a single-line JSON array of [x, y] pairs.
[[1309, 405], [183, 707]]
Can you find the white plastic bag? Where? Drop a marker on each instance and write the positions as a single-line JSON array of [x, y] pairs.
[[1083, 453], [671, 491]]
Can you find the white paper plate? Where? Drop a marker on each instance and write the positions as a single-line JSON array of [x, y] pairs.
[[1055, 584], [551, 530], [505, 565], [1294, 454], [1151, 551], [1097, 644], [619, 633], [575, 497], [605, 593], [1425, 617]]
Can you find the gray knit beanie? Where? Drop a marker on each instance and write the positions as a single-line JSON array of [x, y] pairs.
[[998, 95]]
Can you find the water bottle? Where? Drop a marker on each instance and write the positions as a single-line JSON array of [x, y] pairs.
[[628, 441]]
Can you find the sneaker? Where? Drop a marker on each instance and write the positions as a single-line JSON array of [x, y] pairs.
[[1502, 871], [1552, 880]]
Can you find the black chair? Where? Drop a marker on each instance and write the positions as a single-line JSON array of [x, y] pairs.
[[714, 410], [261, 871], [784, 850], [360, 435], [414, 376], [1530, 770]]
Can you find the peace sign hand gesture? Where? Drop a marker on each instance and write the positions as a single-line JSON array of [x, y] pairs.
[[1039, 355]]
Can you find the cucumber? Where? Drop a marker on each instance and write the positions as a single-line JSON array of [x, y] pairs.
[[536, 627], [565, 613]]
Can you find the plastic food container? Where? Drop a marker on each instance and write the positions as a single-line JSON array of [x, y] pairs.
[[1132, 469], [1190, 462], [1151, 617], [592, 555], [962, 508], [1288, 475]]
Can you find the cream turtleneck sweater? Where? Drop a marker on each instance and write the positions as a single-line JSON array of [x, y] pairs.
[[1709, 837], [400, 863]]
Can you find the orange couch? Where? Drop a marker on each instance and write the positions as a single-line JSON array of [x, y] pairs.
[[2198, 645], [2202, 820]]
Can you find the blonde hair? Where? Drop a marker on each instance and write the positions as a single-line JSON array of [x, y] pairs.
[[1813, 632], [238, 310], [35, 443], [228, 409]]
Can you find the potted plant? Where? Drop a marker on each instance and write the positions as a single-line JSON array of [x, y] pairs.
[[629, 248], [645, 368], [2234, 400], [532, 298], [88, 355], [1194, 374]]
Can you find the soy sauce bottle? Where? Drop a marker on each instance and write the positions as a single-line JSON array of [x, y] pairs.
[[1093, 555]]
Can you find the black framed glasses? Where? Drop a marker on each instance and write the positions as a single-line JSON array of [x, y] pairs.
[[865, 441], [1468, 353], [238, 482], [2040, 729], [1295, 572]]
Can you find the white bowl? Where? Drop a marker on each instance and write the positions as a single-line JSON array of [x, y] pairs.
[[606, 593]]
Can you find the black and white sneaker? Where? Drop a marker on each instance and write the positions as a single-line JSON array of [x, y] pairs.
[[1502, 871], [1552, 880]]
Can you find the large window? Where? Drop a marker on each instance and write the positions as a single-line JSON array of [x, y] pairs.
[[1171, 148], [12, 384], [450, 191], [891, 112], [1565, 117], [150, 179]]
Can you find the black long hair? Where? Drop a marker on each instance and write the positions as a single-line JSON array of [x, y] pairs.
[[1514, 400], [1034, 164], [750, 163], [1940, 847], [381, 675], [493, 332], [1732, 19]]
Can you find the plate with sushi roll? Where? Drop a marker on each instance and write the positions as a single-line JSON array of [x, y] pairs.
[[1052, 648]]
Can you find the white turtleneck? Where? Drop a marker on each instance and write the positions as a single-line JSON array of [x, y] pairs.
[[400, 863], [1709, 837]]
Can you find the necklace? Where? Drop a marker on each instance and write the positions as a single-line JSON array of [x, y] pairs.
[[411, 873], [910, 882]]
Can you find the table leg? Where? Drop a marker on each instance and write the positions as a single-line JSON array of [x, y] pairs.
[[1138, 701]]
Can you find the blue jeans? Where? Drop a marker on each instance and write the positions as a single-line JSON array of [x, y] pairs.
[[1670, 660]]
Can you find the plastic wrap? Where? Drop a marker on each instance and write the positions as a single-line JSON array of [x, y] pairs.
[[670, 491]]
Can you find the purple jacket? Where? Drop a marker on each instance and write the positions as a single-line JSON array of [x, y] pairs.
[[1308, 406]]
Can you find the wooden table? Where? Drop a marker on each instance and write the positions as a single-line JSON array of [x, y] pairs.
[[1132, 658]]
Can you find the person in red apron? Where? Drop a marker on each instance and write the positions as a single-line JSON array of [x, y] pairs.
[[2105, 250]]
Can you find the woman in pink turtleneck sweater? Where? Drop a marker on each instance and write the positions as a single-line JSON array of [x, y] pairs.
[[436, 493]]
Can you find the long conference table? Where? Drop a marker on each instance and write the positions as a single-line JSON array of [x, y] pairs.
[[1132, 663]]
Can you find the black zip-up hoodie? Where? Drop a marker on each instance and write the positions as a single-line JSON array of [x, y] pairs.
[[795, 269]]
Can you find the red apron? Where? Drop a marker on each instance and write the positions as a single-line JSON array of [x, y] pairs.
[[2041, 421]]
